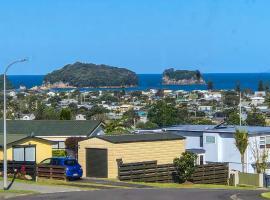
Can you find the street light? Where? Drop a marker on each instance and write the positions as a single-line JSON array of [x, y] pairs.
[[5, 123]]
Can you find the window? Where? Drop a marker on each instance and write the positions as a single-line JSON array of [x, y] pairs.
[[210, 139], [264, 142], [201, 141], [24, 153], [59, 145], [18, 154]]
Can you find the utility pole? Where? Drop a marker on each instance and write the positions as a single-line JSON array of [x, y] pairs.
[[5, 186]]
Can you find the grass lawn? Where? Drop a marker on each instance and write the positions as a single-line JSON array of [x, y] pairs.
[[202, 186], [266, 195]]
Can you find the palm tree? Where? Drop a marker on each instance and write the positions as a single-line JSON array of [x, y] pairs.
[[241, 142]]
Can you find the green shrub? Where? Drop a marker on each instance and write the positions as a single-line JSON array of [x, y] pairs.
[[185, 166]]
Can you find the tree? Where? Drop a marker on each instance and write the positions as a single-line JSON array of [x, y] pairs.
[[231, 99], [255, 118], [232, 118], [96, 110], [65, 114], [164, 114], [237, 87], [260, 156], [71, 144], [146, 125], [210, 85], [185, 165], [116, 127], [260, 86], [130, 117], [241, 143]]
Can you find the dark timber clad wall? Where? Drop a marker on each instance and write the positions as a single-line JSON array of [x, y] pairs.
[[97, 163]]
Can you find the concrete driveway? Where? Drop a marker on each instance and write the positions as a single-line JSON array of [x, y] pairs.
[[151, 194]]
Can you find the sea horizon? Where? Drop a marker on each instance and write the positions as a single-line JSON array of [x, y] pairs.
[[222, 81]]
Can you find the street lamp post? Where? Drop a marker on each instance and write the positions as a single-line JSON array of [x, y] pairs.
[[5, 123]]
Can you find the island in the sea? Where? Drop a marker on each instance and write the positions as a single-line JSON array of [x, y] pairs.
[[84, 75], [182, 77]]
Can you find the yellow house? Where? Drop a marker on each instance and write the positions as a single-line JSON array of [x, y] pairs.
[[26, 148], [98, 155], [56, 131]]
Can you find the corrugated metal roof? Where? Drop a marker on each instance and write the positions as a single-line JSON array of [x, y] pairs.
[[220, 129]]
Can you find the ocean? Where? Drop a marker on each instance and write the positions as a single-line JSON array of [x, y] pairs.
[[154, 81]]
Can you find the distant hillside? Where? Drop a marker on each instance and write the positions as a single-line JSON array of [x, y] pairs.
[[92, 75], [182, 77], [8, 83]]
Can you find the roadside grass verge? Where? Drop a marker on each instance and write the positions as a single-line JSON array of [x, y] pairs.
[[266, 195], [197, 186]]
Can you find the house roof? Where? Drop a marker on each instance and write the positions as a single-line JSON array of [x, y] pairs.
[[219, 129], [51, 127], [140, 137], [15, 138]]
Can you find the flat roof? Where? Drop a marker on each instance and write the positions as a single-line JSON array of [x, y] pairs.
[[149, 137]]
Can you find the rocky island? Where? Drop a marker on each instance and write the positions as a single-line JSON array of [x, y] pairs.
[[84, 75], [181, 77]]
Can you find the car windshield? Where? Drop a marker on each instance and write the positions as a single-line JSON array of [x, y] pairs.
[[70, 162]]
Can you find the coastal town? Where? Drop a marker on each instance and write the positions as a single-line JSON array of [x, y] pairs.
[[134, 100]]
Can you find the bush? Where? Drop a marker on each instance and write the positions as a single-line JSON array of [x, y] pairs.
[[185, 166], [59, 153]]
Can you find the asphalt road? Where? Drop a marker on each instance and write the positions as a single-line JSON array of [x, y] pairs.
[[150, 194]]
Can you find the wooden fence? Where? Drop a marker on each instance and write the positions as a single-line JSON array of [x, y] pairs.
[[21, 169], [215, 173], [51, 172], [150, 171]]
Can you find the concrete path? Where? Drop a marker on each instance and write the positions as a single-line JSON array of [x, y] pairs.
[[151, 194], [40, 188]]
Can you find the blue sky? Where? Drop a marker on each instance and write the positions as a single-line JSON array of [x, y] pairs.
[[146, 36]]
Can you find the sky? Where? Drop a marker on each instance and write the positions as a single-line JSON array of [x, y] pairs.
[[146, 36]]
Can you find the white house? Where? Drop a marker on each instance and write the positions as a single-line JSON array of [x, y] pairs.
[[257, 101], [217, 144], [80, 117], [28, 117]]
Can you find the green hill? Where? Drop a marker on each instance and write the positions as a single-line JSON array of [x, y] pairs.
[[182, 77], [92, 75], [8, 83]]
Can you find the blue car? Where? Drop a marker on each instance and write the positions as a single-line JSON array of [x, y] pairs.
[[73, 168]]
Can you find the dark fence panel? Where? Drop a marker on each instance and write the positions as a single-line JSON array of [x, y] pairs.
[[22, 169], [216, 173], [150, 171], [51, 172]]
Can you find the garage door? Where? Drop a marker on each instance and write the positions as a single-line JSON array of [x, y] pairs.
[[96, 163]]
